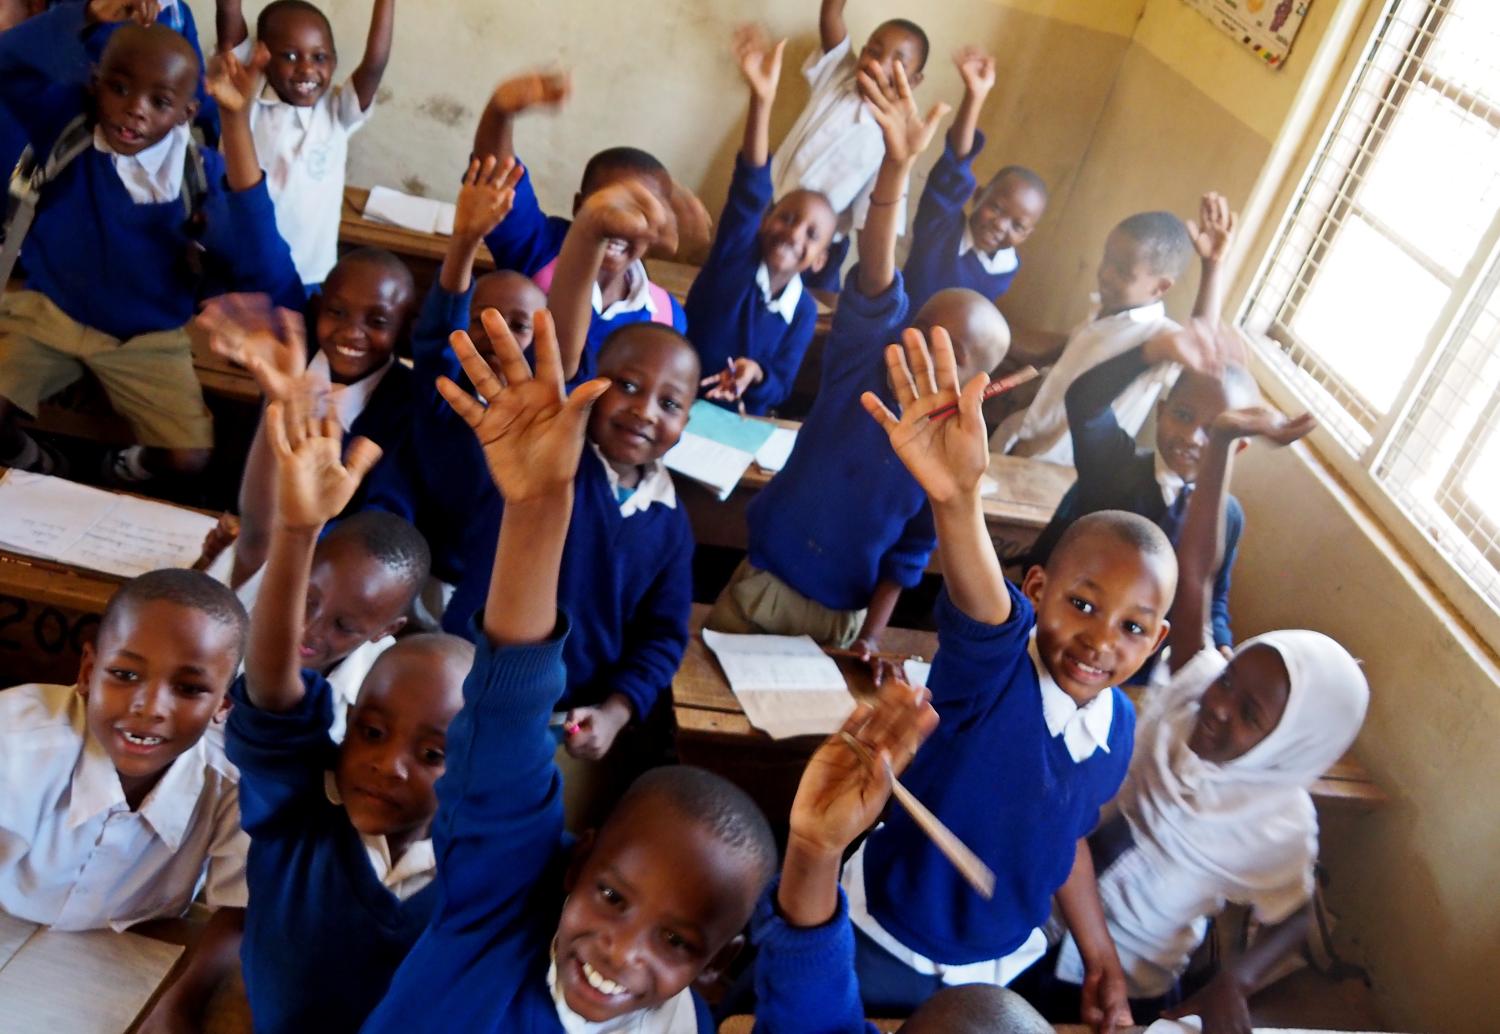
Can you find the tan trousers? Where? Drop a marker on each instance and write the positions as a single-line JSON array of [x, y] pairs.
[[756, 601]]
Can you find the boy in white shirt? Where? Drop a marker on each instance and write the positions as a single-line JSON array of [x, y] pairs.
[[302, 123], [115, 807], [835, 147]]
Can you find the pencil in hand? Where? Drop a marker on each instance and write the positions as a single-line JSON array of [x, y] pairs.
[[991, 390]]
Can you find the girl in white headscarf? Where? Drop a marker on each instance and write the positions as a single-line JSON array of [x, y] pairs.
[[1216, 808]]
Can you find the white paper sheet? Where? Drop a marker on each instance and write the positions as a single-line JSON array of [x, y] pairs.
[[715, 465], [787, 685], [41, 515], [773, 455], [408, 211], [916, 671]]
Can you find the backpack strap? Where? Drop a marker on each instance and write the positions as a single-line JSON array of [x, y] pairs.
[[26, 183]]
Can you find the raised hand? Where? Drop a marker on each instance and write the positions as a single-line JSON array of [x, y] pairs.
[[270, 343], [315, 476], [729, 384], [907, 132], [631, 211], [760, 62], [947, 457], [232, 83], [531, 433], [1199, 346], [976, 68], [531, 90], [142, 12], [486, 196], [1214, 228], [1263, 422]]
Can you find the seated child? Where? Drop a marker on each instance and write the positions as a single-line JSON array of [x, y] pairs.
[[177, 16], [752, 321], [976, 250], [1143, 257], [533, 934], [1024, 681], [529, 241], [114, 271], [1113, 474], [340, 864], [834, 572], [1215, 808], [115, 807], [302, 123], [835, 147]]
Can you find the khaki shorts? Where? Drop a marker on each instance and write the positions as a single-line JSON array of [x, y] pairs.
[[758, 601], [149, 379]]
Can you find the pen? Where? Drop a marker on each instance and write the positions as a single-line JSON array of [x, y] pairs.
[[994, 388]]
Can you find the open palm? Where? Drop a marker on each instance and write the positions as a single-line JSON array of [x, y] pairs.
[[315, 476]]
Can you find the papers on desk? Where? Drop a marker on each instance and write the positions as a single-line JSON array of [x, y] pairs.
[[409, 212], [717, 447], [1193, 1025], [773, 455], [786, 684], [96, 982], [88, 527]]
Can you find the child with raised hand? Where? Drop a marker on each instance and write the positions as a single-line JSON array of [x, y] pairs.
[[303, 123], [116, 806], [1024, 681], [114, 270], [835, 147], [1215, 809], [977, 250], [835, 572], [752, 321], [340, 864], [532, 933], [1143, 257]]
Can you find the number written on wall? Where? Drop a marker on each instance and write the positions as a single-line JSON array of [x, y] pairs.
[[40, 643]]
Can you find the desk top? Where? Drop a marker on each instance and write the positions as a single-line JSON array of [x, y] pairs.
[[355, 229]]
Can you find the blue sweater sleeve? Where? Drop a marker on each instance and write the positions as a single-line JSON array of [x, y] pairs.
[[657, 634], [499, 817], [37, 88], [441, 314], [864, 325], [1234, 524], [782, 367], [281, 755], [804, 976], [950, 185], [245, 240], [1100, 445], [679, 316], [974, 657], [904, 562], [739, 222], [526, 240]]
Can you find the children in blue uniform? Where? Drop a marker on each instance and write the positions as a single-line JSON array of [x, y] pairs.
[[110, 257], [340, 866], [952, 248], [527, 938], [752, 319], [843, 528], [1024, 681]]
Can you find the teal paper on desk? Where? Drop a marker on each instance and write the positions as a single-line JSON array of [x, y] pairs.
[[727, 428], [717, 447]]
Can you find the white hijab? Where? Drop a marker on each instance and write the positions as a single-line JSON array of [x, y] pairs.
[[1248, 823]]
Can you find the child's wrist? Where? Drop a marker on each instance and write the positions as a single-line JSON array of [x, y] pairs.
[[298, 531]]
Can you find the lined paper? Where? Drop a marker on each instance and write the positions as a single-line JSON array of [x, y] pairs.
[[787, 685]]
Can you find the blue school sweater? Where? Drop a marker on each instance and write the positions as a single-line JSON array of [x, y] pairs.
[[1008, 788], [934, 263], [1113, 474], [528, 240], [804, 976], [481, 966], [726, 308], [844, 513], [111, 264], [322, 935]]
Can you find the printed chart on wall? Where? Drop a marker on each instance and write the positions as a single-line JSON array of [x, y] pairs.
[[1266, 27]]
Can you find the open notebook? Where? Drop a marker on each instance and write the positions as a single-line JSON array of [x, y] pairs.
[[718, 446], [58, 520], [410, 212], [786, 684]]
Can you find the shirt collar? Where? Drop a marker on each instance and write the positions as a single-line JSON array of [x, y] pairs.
[[1147, 313], [1171, 482], [158, 167], [348, 400], [655, 486], [417, 862], [786, 305], [1083, 729], [638, 294], [1002, 261]]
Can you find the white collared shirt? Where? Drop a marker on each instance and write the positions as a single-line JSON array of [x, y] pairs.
[[1170, 481], [414, 870], [637, 294], [835, 146], [154, 175], [1002, 261], [72, 853], [1041, 430], [1083, 729], [784, 306], [655, 486], [304, 151], [348, 400], [677, 1015]]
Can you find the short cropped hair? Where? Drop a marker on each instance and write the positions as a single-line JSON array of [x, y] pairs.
[[1022, 173], [1163, 238], [622, 159], [385, 261], [156, 35], [192, 589], [622, 335], [1130, 528], [271, 11], [916, 32], [392, 541], [713, 803], [977, 1009]]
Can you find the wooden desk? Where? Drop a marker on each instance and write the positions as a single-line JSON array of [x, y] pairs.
[[423, 251], [1029, 493], [746, 1025]]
